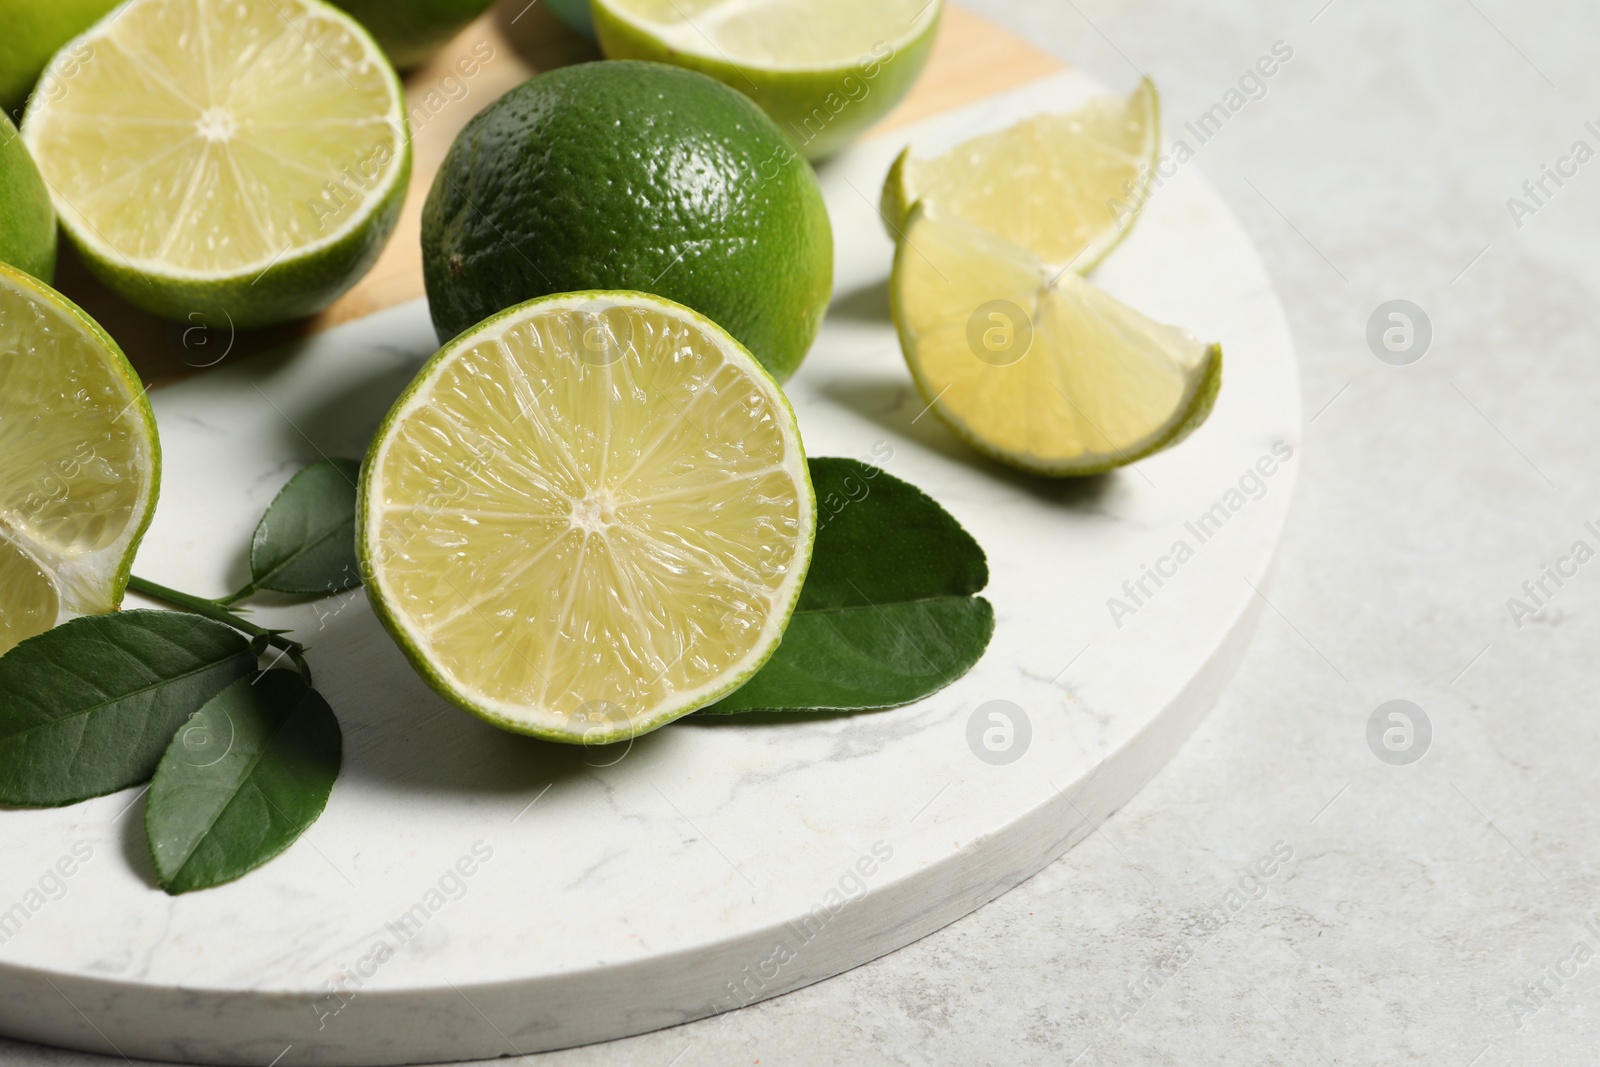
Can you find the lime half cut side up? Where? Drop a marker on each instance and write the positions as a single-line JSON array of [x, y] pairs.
[[82, 462], [588, 516], [243, 162], [1069, 187], [1036, 367], [825, 70]]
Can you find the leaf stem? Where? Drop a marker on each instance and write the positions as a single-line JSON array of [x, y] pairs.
[[217, 611], [248, 591]]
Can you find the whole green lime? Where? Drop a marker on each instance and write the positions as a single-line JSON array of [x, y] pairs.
[[412, 30], [27, 221], [33, 30], [636, 176]]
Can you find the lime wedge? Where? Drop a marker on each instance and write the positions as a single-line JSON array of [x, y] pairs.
[[825, 70], [1033, 365], [82, 465], [587, 516], [1069, 187], [244, 162]]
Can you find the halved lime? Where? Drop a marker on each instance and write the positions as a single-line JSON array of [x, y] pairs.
[[824, 70], [1069, 187], [240, 161], [82, 462], [587, 516], [1035, 366]]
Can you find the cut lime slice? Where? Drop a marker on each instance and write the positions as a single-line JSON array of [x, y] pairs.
[[82, 462], [588, 516], [1069, 187], [825, 70], [243, 162], [1033, 365]]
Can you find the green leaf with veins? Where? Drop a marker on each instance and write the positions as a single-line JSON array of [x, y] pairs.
[[88, 707], [306, 542], [241, 781], [888, 613]]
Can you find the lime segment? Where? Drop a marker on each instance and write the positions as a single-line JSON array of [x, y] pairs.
[[1035, 366], [588, 516], [1069, 187]]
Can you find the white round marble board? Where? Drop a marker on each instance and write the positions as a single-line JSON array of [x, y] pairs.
[[471, 894]]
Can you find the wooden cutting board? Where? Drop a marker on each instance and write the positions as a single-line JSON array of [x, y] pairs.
[[972, 59]]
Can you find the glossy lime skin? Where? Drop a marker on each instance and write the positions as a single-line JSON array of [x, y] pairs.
[[30, 33], [27, 220], [632, 176], [412, 30]]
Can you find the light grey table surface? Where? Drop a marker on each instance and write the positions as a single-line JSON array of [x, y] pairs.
[[1423, 904]]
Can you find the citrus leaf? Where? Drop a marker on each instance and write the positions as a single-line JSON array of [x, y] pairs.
[[859, 658], [881, 540], [88, 707], [306, 542], [887, 615], [241, 781]]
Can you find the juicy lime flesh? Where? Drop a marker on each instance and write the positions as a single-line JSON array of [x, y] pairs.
[[74, 445], [1099, 384], [591, 517], [80, 459], [202, 138], [28, 596], [1064, 186], [792, 34]]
